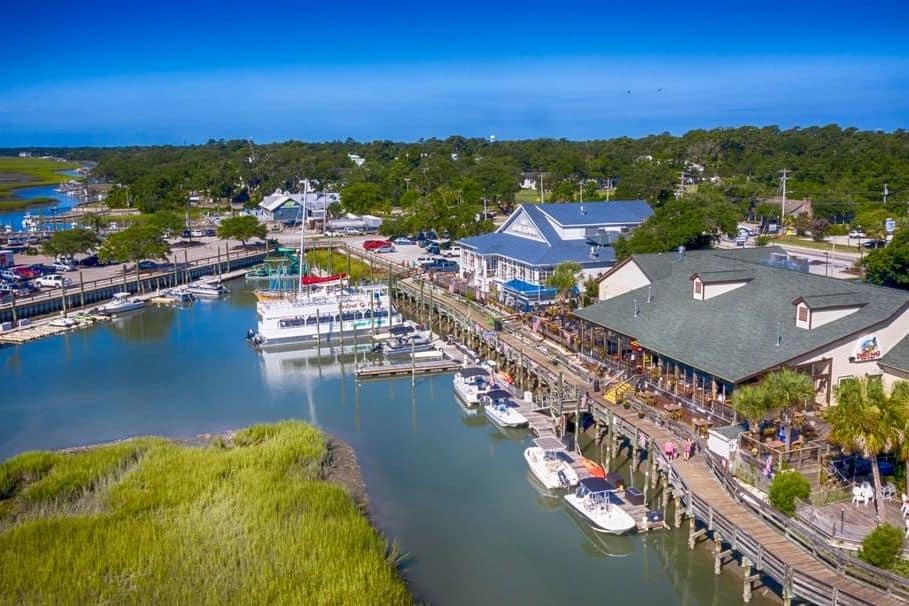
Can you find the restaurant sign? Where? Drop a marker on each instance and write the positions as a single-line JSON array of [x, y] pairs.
[[867, 348]]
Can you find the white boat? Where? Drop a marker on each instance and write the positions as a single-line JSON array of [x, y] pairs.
[[324, 316], [63, 322], [179, 295], [470, 383], [122, 302], [405, 346], [551, 463], [595, 500], [501, 410], [206, 289]]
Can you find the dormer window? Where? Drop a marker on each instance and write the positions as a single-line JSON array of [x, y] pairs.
[[813, 311], [715, 283]]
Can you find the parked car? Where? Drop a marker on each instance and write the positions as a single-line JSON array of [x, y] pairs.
[[62, 266], [441, 265], [874, 243], [333, 233], [90, 261], [388, 248], [9, 274], [402, 241], [423, 259], [375, 245], [43, 269], [352, 231], [454, 251], [856, 233], [26, 273], [147, 265], [433, 249], [54, 281], [8, 290]]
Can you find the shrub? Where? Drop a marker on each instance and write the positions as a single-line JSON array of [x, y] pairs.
[[882, 546], [762, 240], [784, 489]]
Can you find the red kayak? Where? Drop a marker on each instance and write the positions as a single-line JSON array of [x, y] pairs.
[[595, 469], [310, 280]]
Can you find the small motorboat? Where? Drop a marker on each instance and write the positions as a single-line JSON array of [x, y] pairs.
[[405, 346], [207, 289], [178, 296], [63, 322], [551, 463], [501, 409], [595, 500], [470, 383], [121, 303]]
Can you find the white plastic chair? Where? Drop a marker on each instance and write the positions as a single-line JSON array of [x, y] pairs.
[[859, 496], [888, 491], [904, 507]]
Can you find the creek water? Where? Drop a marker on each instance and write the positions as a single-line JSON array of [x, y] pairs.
[[60, 203], [452, 490]]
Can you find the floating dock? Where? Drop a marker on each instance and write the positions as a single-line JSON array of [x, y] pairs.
[[385, 371]]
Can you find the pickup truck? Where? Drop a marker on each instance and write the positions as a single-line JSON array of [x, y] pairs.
[[441, 265], [454, 251]]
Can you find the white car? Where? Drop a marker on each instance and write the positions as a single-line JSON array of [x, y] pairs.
[[352, 231], [331, 233], [857, 233], [54, 281], [62, 266], [454, 251]]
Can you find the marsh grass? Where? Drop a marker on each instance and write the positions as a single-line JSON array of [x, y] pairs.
[[16, 173], [154, 522], [337, 262]]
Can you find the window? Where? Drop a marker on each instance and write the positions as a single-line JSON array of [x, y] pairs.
[[698, 288], [803, 313]]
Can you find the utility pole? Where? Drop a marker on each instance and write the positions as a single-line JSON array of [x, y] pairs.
[[784, 176], [886, 193], [541, 188]]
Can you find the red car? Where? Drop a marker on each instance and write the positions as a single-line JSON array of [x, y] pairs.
[[26, 273], [376, 244]]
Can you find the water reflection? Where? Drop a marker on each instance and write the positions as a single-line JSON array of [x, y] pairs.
[[144, 325]]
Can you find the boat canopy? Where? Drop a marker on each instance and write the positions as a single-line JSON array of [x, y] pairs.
[[473, 371], [549, 443], [596, 485], [497, 394], [401, 329]]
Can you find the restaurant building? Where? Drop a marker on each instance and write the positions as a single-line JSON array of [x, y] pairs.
[[516, 260], [698, 324]]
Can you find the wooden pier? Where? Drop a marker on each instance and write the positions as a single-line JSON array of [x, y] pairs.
[[766, 543], [387, 371]]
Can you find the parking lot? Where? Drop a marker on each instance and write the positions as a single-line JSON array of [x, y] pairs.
[[409, 255]]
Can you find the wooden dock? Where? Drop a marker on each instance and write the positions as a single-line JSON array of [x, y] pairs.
[[805, 566], [387, 371]]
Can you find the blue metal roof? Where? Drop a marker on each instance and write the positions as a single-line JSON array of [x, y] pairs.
[[532, 252], [596, 213]]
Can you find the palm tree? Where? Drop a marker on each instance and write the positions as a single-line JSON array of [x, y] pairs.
[[866, 420], [752, 402], [899, 394], [565, 277], [788, 389]]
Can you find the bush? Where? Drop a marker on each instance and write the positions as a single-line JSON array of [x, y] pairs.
[[838, 229], [785, 488], [762, 240], [882, 546]]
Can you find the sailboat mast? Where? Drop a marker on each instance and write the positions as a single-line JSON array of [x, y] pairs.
[[302, 233]]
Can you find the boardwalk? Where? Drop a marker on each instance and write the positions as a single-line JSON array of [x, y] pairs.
[[803, 575]]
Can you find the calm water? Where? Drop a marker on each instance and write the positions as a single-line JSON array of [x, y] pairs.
[[453, 490], [62, 203]]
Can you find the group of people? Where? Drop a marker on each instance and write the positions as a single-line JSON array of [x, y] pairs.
[[687, 450]]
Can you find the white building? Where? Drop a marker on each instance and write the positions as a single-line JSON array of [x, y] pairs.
[[289, 208]]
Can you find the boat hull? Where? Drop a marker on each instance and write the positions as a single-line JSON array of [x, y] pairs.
[[122, 309], [467, 393], [546, 476], [314, 340], [617, 522], [511, 419]]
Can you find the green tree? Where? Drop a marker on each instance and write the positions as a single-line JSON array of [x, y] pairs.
[[889, 266], [819, 229], [117, 197], [693, 221], [867, 421], [786, 487], [788, 390], [565, 277], [95, 222], [242, 228], [135, 243], [801, 223], [167, 221], [363, 198], [752, 403], [882, 546], [70, 242]]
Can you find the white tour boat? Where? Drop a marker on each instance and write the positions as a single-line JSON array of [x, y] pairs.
[[324, 316], [501, 410], [407, 345], [470, 383], [595, 500], [122, 302], [550, 463]]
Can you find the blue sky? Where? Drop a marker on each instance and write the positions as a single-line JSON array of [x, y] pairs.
[[128, 72]]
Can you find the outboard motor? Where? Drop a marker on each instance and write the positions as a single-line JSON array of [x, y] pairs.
[[563, 479]]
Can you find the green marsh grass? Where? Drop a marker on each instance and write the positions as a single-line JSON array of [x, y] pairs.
[[250, 521], [16, 173]]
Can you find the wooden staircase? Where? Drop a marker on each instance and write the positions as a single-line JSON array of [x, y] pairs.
[[616, 393]]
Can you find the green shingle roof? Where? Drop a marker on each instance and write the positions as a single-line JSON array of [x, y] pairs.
[[732, 275], [839, 299], [734, 335], [898, 356]]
